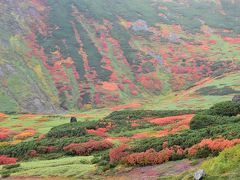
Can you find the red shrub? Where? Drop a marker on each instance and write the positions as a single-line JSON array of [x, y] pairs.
[[87, 147], [118, 153], [214, 145], [3, 116], [7, 160], [99, 132], [171, 119], [165, 145], [42, 136], [33, 153], [149, 157], [48, 149], [28, 132], [3, 136], [135, 124]]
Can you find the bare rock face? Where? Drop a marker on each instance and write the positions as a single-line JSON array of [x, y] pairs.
[[236, 98]]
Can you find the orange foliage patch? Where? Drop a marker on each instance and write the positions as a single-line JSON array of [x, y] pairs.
[[43, 119], [135, 124], [232, 40], [171, 119], [118, 153], [150, 83], [125, 106], [99, 132], [7, 160], [109, 86], [2, 116], [214, 145], [149, 157], [27, 116], [88, 147], [6, 133], [29, 132], [182, 124], [143, 135], [10, 143]]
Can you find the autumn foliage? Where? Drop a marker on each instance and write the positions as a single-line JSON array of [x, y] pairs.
[[7, 160], [171, 119], [3, 116], [99, 132], [29, 132], [149, 157], [87, 147], [118, 153], [214, 145]]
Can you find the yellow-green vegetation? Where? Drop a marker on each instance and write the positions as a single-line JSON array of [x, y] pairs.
[[226, 165], [64, 167]]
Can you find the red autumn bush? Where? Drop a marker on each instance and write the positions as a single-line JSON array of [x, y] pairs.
[[33, 153], [149, 157], [3, 136], [213, 145], [99, 132], [3, 116], [47, 149], [171, 119], [7, 160], [28, 132], [87, 147], [118, 153]]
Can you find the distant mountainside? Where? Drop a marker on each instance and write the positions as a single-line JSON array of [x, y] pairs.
[[82, 54]]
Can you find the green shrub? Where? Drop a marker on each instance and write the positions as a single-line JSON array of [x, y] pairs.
[[72, 129], [5, 174], [20, 149], [11, 166], [137, 114], [202, 121], [188, 138], [228, 108]]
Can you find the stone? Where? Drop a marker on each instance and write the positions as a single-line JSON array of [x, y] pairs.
[[199, 174], [73, 120], [236, 98]]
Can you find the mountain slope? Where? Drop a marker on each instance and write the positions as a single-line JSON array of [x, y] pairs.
[[81, 54]]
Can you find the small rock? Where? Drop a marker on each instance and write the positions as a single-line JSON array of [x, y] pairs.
[[236, 98], [199, 174], [73, 120]]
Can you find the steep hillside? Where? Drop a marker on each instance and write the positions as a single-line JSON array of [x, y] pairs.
[[80, 54]]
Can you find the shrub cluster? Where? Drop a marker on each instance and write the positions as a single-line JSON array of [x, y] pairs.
[[227, 108], [203, 120], [138, 114], [87, 147], [7, 160]]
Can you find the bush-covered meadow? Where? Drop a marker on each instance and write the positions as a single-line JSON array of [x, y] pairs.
[[127, 138]]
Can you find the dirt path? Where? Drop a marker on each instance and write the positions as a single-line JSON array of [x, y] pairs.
[[156, 171]]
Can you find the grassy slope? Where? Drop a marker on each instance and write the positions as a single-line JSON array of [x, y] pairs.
[[224, 166], [190, 100], [65, 167]]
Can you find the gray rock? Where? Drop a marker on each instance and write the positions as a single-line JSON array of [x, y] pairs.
[[199, 174], [73, 120], [236, 98]]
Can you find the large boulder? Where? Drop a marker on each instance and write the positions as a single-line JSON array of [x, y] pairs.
[[236, 98], [199, 174]]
